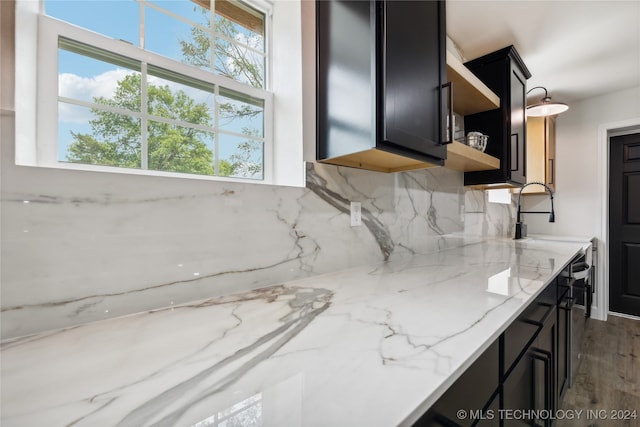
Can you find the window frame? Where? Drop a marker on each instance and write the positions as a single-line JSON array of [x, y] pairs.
[[50, 29]]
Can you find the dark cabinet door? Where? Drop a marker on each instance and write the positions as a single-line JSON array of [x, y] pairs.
[[381, 70], [481, 406], [491, 416], [505, 74], [564, 322], [517, 390], [518, 120], [345, 77], [543, 353], [413, 69], [531, 383]]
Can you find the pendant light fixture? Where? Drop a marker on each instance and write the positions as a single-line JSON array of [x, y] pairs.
[[545, 107]]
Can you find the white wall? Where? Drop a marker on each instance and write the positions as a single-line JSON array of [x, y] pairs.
[[578, 199], [581, 193]]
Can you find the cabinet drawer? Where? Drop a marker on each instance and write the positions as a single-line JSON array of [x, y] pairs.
[[482, 377], [524, 329]]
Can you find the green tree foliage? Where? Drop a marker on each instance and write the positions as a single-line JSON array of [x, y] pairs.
[[233, 61], [115, 139], [230, 59]]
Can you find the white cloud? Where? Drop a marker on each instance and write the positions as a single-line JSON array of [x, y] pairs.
[[86, 88], [68, 113], [104, 85]]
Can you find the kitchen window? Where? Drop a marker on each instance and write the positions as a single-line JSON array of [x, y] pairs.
[[155, 86], [148, 111]]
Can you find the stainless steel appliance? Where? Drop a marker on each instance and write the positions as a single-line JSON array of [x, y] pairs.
[[580, 276]]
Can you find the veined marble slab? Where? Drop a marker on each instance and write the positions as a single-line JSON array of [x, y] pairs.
[[79, 246], [368, 346]]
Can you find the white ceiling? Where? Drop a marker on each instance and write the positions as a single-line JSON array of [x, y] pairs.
[[577, 49]]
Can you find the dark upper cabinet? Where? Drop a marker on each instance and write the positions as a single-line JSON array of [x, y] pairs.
[[381, 69], [505, 74]]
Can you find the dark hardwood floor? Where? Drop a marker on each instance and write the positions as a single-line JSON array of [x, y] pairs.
[[608, 379]]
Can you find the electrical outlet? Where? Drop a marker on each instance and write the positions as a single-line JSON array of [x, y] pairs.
[[356, 214]]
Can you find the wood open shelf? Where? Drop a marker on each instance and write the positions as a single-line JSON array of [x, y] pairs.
[[470, 95], [463, 158]]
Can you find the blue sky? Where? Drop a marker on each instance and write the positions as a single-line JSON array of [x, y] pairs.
[[83, 78]]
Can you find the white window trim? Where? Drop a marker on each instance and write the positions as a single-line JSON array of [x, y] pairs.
[[283, 156]]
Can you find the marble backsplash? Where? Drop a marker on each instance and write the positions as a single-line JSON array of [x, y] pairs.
[[115, 244], [483, 218]]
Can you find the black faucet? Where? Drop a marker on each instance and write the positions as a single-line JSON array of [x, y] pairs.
[[521, 228]]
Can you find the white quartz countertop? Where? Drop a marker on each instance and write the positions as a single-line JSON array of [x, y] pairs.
[[370, 346]]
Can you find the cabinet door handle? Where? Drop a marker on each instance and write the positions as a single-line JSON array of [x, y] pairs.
[[567, 304], [569, 281], [515, 153], [447, 124], [540, 323], [552, 172], [546, 400], [589, 299]]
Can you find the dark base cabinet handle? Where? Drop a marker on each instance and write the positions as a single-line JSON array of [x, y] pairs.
[[588, 300], [542, 384], [540, 323], [567, 304]]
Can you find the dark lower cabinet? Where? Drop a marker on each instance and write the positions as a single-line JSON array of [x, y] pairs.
[[491, 415], [519, 379], [529, 386], [565, 303], [475, 392], [544, 352], [518, 389], [529, 389]]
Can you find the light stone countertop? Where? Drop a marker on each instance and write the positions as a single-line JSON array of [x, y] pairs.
[[369, 346]]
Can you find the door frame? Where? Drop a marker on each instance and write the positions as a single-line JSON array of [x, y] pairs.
[[605, 132]]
